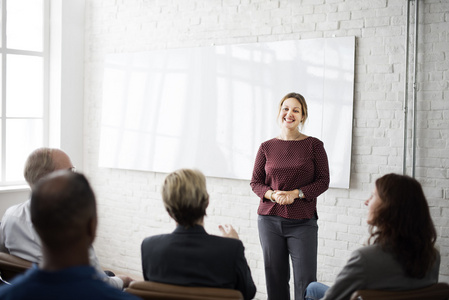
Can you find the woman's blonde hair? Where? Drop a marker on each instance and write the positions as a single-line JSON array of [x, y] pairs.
[[185, 196]]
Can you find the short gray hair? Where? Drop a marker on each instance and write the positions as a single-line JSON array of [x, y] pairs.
[[38, 164]]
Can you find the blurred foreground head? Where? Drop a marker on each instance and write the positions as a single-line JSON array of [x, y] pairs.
[[63, 210]]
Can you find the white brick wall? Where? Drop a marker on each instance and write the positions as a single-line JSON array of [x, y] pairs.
[[130, 205]]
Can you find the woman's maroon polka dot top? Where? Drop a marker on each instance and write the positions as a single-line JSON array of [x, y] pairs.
[[289, 165]]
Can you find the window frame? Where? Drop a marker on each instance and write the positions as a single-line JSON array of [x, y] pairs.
[[45, 54]]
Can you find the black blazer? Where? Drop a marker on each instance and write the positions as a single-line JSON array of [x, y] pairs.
[[191, 257]]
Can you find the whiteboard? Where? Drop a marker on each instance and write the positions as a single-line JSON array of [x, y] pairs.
[[210, 108]]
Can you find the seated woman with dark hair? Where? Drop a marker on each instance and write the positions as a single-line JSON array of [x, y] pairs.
[[189, 256], [401, 253]]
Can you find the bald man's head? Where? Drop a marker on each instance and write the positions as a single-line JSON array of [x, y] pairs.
[[63, 208], [43, 161]]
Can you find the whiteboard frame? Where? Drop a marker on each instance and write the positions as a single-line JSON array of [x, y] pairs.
[[209, 108]]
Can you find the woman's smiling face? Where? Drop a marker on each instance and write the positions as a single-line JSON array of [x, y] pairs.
[[290, 116]]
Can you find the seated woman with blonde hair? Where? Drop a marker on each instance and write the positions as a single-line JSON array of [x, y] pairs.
[[189, 256], [401, 253]]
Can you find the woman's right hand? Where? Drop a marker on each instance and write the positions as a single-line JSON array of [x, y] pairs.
[[284, 197]]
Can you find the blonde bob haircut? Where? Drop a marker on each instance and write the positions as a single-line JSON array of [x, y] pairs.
[[185, 196]]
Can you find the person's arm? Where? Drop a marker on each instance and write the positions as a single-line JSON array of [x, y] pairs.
[[2, 240], [321, 182], [114, 281], [258, 178], [119, 281], [245, 283], [351, 278], [143, 258]]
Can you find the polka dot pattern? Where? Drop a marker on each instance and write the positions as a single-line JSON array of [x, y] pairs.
[[289, 165]]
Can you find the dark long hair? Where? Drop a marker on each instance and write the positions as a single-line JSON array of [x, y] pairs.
[[402, 224]]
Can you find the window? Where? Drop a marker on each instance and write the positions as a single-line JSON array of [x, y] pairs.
[[24, 81]]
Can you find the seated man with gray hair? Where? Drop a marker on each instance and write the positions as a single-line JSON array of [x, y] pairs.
[[17, 234], [63, 212]]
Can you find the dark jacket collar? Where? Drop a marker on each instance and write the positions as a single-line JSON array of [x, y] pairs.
[[196, 229]]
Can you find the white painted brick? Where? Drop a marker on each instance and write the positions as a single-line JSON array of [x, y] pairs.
[[334, 226], [388, 105], [303, 26], [349, 220], [394, 166], [339, 16], [361, 177], [344, 254], [326, 26], [437, 17], [377, 21], [439, 104], [315, 18], [380, 68], [283, 29], [303, 9], [351, 24], [335, 209], [334, 261], [374, 4]]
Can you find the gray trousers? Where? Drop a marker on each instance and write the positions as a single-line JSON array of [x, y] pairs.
[[281, 238]]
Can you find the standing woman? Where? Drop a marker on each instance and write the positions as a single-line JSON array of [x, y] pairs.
[[290, 172]]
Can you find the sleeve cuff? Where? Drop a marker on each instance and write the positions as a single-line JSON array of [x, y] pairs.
[[115, 282]]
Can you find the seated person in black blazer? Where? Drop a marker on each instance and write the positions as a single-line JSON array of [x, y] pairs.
[[189, 256]]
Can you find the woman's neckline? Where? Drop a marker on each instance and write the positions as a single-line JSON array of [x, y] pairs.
[[305, 137]]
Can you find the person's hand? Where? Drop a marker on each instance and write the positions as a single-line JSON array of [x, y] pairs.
[[126, 280], [228, 231], [285, 197]]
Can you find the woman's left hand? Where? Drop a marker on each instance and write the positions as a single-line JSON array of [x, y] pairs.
[[286, 197]]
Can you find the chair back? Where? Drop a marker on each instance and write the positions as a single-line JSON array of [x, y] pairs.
[[149, 290], [438, 291], [11, 266]]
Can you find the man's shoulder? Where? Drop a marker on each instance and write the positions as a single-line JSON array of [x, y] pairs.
[[17, 209], [214, 241], [375, 255], [156, 239], [77, 283], [229, 247], [226, 240], [368, 250], [16, 289], [16, 215]]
